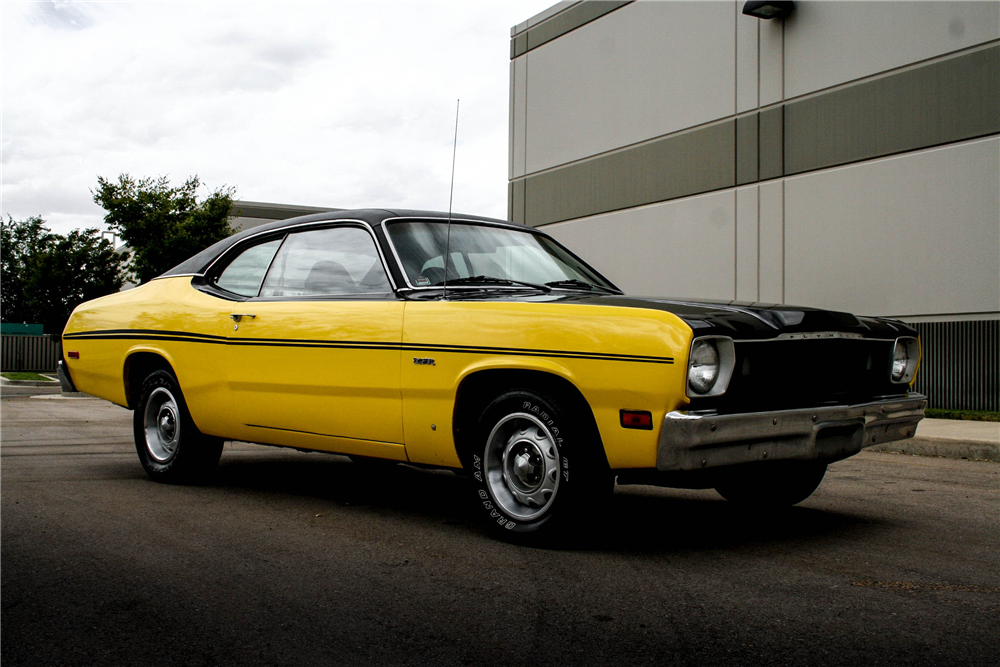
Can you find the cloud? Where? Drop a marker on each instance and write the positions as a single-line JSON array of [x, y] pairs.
[[62, 15], [328, 104]]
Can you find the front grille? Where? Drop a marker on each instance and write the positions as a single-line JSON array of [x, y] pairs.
[[791, 374]]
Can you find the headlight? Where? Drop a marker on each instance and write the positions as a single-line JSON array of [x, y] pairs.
[[710, 366], [703, 366], [899, 360], [905, 356]]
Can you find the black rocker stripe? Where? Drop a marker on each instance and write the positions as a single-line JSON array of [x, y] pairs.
[[325, 435], [182, 336]]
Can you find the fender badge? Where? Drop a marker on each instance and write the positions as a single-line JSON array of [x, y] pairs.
[[423, 361]]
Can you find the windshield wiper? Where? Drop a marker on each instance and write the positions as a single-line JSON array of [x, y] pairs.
[[491, 280], [573, 282]]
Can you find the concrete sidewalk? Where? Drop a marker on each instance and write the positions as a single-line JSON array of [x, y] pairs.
[[951, 438]]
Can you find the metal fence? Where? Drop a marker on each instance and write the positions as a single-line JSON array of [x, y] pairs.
[[960, 368], [29, 353]]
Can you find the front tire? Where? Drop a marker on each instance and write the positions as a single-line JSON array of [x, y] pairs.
[[526, 446], [774, 485], [171, 448]]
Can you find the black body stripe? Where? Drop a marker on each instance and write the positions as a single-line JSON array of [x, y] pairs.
[[181, 336], [132, 333], [324, 435]]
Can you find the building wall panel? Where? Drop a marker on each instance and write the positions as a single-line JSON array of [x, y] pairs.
[[641, 64], [747, 70], [772, 72], [747, 249], [909, 235], [771, 268], [682, 248], [518, 104], [830, 43]]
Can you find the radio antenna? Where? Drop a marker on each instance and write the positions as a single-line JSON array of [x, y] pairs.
[[451, 194]]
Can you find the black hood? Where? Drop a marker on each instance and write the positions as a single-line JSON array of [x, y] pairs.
[[743, 319]]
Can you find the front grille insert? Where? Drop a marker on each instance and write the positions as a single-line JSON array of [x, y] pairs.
[[791, 374]]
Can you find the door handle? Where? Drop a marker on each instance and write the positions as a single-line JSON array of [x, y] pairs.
[[236, 317]]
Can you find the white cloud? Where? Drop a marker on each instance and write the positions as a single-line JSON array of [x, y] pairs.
[[327, 104]]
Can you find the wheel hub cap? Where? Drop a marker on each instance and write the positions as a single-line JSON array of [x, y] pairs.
[[161, 424], [167, 424], [525, 461], [522, 466]]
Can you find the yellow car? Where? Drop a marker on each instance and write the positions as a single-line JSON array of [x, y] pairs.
[[488, 348]]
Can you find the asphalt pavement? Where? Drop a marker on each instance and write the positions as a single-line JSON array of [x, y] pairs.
[[287, 558]]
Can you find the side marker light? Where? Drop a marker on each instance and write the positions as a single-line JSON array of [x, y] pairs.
[[637, 419], [73, 355]]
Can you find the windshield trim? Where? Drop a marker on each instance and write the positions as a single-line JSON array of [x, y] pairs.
[[483, 223]]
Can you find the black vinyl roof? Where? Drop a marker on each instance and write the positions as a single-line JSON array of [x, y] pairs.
[[373, 216]]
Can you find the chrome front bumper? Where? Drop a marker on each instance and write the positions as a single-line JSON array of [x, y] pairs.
[[693, 442]]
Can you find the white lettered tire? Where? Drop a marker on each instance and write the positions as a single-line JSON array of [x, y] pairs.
[[170, 447], [537, 468]]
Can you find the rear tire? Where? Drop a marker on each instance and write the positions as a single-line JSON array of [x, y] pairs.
[[525, 446], [774, 485], [171, 448]]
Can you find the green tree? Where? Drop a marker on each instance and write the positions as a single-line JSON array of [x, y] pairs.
[[44, 276], [163, 225]]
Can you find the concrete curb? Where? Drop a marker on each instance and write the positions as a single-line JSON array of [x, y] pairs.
[[952, 449], [29, 383], [68, 396]]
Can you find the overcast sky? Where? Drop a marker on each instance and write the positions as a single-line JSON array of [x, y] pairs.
[[341, 104]]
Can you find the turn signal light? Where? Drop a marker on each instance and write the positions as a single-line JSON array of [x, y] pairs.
[[637, 419]]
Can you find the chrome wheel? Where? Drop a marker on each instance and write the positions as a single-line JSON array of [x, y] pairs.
[[522, 466], [161, 420]]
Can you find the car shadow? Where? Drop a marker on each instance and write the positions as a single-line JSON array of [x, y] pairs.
[[636, 519]]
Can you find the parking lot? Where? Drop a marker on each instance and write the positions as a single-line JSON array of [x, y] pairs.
[[288, 558]]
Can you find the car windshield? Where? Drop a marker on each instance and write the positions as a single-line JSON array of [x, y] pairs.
[[488, 256]]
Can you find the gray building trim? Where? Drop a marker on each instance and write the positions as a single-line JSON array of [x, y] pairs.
[[939, 103], [515, 192], [561, 23], [747, 148], [772, 143], [680, 165]]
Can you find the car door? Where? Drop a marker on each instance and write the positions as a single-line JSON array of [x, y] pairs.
[[313, 358]]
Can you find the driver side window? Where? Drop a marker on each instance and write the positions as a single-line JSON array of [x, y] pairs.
[[334, 261]]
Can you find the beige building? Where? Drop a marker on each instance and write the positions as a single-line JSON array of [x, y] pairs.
[[846, 156]]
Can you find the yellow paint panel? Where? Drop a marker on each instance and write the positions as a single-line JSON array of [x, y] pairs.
[[159, 307], [340, 375], [324, 367], [557, 333]]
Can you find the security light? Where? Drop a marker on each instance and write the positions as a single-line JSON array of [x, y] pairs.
[[768, 9]]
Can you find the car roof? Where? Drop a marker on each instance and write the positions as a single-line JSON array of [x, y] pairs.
[[373, 216]]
